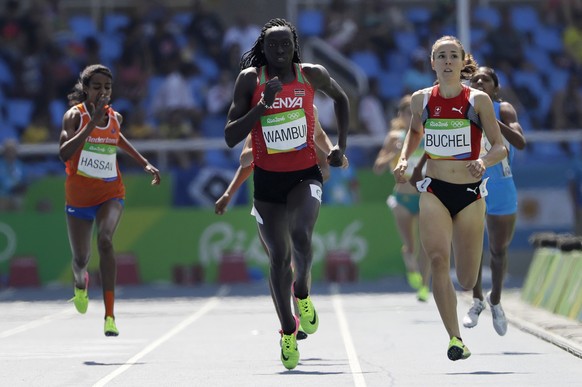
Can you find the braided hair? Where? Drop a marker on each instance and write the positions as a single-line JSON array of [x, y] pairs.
[[255, 57], [79, 95]]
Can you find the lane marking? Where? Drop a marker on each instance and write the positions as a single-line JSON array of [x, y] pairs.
[[211, 304], [36, 323], [359, 380]]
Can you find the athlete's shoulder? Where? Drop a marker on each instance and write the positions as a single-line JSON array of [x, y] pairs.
[[476, 92], [504, 105], [248, 73], [247, 79], [72, 112], [311, 66], [314, 71], [118, 116], [422, 92], [419, 98], [481, 97]]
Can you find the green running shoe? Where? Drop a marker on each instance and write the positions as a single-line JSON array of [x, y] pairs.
[[81, 298], [301, 335], [457, 350], [423, 293], [414, 279], [110, 327], [307, 315], [289, 351]]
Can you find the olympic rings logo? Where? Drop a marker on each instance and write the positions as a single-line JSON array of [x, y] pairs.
[[458, 124], [293, 116]]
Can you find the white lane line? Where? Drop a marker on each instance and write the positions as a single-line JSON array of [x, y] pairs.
[[359, 380], [36, 323], [211, 304]]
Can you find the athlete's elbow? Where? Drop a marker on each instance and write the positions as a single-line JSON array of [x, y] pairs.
[[521, 145], [63, 156], [230, 142]]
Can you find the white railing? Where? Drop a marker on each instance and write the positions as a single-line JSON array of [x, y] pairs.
[[163, 148]]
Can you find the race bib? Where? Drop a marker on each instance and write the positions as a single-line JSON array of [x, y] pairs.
[[98, 161], [446, 138], [285, 132], [422, 185], [483, 188]]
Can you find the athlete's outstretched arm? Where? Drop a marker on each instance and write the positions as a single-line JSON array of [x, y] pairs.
[[242, 173], [390, 151], [510, 127], [322, 140], [134, 153], [321, 80], [246, 155]]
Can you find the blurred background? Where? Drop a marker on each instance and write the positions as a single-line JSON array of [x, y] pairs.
[[174, 64]]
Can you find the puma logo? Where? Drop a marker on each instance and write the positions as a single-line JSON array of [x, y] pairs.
[[459, 109], [474, 190]]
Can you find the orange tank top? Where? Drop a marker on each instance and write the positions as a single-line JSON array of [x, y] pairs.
[[93, 175]]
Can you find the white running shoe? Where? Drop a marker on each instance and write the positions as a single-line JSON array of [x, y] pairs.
[[499, 319], [472, 317]]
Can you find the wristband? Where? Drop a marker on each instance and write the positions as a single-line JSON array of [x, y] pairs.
[[264, 103]]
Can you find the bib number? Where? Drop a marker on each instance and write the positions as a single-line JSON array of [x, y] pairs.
[[285, 132]]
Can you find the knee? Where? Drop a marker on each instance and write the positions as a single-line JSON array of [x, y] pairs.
[[80, 260], [301, 239], [497, 254], [467, 282], [406, 249], [104, 243], [280, 259], [439, 263]]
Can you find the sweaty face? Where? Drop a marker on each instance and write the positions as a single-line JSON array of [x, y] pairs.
[[483, 82], [278, 46], [99, 84], [447, 60]]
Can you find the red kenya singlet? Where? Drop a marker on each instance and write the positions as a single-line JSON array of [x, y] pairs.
[[93, 176], [283, 137], [452, 128]]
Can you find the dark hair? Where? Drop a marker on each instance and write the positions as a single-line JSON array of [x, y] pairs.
[[79, 95], [470, 64], [491, 73], [255, 57]]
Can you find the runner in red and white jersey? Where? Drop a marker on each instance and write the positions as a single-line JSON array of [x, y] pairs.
[[273, 100]]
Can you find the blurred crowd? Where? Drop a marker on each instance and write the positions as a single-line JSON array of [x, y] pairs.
[[175, 67]]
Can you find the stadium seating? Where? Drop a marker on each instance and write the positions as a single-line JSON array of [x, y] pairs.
[[19, 112], [524, 18], [368, 62], [310, 22], [83, 26], [113, 22], [391, 84]]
